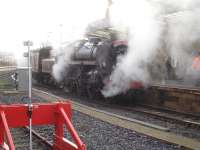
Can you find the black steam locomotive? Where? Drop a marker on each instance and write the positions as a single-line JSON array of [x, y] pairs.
[[91, 63]]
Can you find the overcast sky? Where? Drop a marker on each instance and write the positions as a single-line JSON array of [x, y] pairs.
[[45, 20]]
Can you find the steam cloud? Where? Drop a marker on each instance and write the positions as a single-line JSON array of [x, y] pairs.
[[63, 59], [157, 28], [81, 13], [58, 67]]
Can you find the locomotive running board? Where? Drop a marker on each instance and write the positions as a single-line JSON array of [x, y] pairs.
[[58, 114]]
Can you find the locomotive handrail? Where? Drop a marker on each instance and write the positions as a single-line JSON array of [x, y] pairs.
[[58, 114]]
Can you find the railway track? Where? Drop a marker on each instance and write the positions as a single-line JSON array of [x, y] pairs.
[[187, 119], [186, 114], [184, 118], [21, 140], [152, 130], [21, 135]]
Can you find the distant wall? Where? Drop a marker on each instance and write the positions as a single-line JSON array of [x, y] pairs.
[[22, 78], [176, 99]]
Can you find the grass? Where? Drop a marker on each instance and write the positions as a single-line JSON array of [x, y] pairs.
[[6, 84]]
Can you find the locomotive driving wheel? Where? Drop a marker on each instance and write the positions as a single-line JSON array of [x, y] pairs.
[[93, 89], [70, 86]]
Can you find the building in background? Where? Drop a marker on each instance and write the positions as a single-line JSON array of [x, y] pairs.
[[7, 59]]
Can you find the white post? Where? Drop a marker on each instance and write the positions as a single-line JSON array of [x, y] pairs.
[[29, 75], [29, 43], [29, 93]]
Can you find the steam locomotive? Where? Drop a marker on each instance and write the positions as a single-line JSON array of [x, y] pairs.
[[91, 62]]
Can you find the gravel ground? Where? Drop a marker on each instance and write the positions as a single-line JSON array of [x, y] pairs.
[[20, 98], [99, 135]]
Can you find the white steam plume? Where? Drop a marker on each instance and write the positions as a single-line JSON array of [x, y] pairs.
[[63, 59], [80, 14], [183, 39], [144, 31], [153, 25]]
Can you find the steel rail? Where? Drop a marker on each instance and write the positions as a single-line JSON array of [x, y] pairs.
[[194, 115], [39, 137], [164, 115], [22, 144]]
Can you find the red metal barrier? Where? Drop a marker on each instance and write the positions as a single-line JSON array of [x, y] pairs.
[[58, 114]]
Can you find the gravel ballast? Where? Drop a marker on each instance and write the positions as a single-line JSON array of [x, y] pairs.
[[99, 135]]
